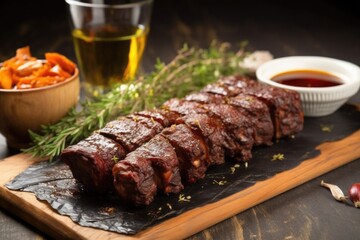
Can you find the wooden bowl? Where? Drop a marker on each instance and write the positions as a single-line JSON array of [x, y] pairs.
[[28, 109]]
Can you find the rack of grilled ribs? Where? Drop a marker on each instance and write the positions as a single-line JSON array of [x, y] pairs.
[[162, 150]]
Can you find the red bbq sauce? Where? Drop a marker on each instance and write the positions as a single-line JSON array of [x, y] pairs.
[[307, 78]]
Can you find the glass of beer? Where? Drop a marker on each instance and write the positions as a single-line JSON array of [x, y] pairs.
[[109, 39]]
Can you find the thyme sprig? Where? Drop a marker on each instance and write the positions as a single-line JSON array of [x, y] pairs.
[[189, 71]]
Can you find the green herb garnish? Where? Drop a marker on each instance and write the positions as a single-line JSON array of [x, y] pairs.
[[326, 127], [183, 198], [115, 159], [233, 169], [220, 183], [278, 157], [189, 71]]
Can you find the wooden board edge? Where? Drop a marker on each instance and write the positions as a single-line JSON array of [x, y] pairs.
[[43, 217], [334, 155], [39, 213], [37, 217], [331, 152]]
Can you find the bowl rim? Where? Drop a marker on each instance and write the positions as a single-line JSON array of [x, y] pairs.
[[116, 5], [351, 67], [73, 77]]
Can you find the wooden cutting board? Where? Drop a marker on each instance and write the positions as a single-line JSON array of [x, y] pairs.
[[42, 216]]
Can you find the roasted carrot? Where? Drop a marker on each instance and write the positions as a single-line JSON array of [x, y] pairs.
[[58, 71], [28, 67], [5, 78], [46, 81], [62, 61], [24, 71], [23, 53]]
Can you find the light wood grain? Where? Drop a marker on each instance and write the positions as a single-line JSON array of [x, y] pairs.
[[41, 215]]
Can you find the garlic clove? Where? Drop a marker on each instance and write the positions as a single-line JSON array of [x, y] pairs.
[[335, 191]]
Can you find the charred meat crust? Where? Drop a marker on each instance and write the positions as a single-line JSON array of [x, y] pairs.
[[161, 150], [164, 117], [284, 105], [191, 152], [158, 160], [129, 132], [248, 105], [91, 161]]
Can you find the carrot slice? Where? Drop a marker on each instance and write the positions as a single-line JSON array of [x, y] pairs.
[[45, 81], [22, 56], [43, 71], [23, 53], [15, 78], [24, 71], [58, 59], [26, 80], [57, 70], [28, 67], [5, 78]]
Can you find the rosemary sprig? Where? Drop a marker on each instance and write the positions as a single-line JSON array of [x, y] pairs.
[[189, 71]]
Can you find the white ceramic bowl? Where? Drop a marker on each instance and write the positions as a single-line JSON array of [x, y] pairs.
[[316, 101]]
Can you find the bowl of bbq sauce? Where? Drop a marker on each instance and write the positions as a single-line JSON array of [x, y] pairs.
[[324, 84]]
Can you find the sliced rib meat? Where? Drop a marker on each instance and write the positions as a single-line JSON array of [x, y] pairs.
[[285, 108], [91, 161], [183, 107], [175, 145], [284, 105], [258, 113], [249, 105], [191, 152], [149, 169], [162, 116], [147, 122], [130, 133], [205, 97], [213, 132], [239, 127], [134, 181], [237, 82]]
